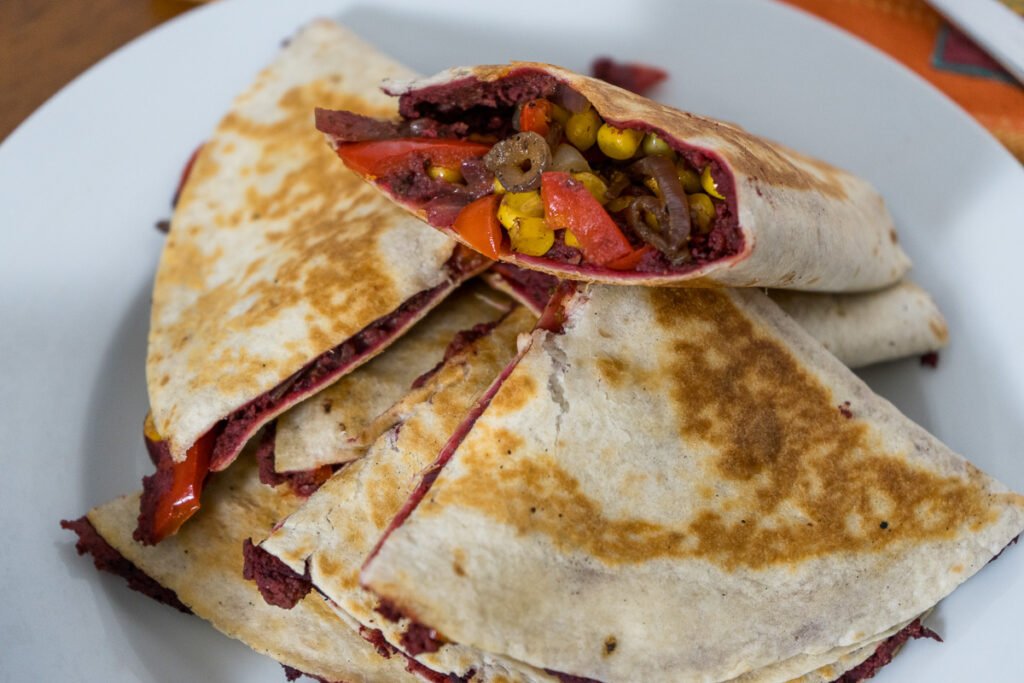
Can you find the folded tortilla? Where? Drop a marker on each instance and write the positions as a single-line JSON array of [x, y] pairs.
[[200, 569], [328, 538], [787, 221], [859, 329], [282, 271], [338, 424], [682, 485]]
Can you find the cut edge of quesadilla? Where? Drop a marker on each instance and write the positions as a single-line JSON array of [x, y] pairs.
[[535, 165], [340, 423]]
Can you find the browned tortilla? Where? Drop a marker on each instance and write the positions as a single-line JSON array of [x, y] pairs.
[[694, 489]]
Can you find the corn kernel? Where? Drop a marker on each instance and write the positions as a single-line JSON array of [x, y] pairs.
[[570, 240], [702, 211], [656, 147], [595, 186], [581, 129], [688, 178], [498, 187], [618, 143], [708, 183], [559, 113], [516, 205], [531, 236], [449, 175]]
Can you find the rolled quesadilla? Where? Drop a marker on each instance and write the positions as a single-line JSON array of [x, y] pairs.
[[323, 544], [282, 271], [859, 329], [682, 485], [200, 571], [338, 424], [535, 165]]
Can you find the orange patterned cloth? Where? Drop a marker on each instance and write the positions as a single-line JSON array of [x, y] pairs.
[[915, 34]]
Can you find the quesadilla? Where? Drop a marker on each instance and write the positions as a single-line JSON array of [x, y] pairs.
[[200, 571], [859, 329], [338, 424], [281, 271], [323, 544], [553, 171], [682, 485]]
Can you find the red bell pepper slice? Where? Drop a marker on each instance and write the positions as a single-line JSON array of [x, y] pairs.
[[478, 224], [378, 157], [568, 204], [632, 260], [181, 500], [535, 117]]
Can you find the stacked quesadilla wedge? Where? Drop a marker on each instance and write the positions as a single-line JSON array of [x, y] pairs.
[[683, 485], [281, 273]]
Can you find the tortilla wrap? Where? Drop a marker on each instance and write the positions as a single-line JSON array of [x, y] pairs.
[[859, 329], [691, 486], [871, 327], [802, 223], [202, 565], [332, 534], [282, 271], [338, 424]]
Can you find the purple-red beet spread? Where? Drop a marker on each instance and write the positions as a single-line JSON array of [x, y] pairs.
[[886, 651], [278, 583], [460, 341], [107, 559], [638, 78], [303, 483], [531, 287]]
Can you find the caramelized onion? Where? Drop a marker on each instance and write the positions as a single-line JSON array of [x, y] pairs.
[[569, 160], [517, 162], [673, 211]]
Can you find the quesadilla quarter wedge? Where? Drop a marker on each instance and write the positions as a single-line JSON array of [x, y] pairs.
[[684, 486], [553, 171]]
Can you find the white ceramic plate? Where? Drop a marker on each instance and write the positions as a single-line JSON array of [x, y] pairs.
[[84, 179]]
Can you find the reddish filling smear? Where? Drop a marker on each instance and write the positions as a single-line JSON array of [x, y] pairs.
[[278, 583], [886, 651], [107, 559], [532, 288], [460, 341], [638, 78], [163, 507], [304, 483]]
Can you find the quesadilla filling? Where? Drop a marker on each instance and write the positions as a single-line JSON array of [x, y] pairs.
[[525, 169], [171, 494]]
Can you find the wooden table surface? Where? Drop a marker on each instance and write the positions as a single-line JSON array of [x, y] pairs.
[[46, 43]]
